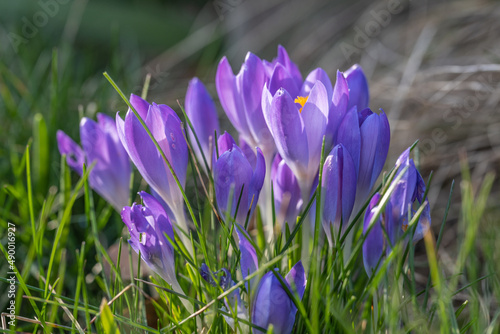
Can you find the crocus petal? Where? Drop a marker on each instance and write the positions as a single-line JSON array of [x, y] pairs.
[[249, 262], [251, 79], [144, 154], [164, 204], [382, 150], [273, 306], [75, 157], [225, 142], [317, 75], [369, 132], [257, 181], [349, 135], [296, 277], [140, 105], [110, 176], [404, 190], [200, 108], [288, 129], [158, 211], [424, 222], [293, 69], [338, 108], [373, 247], [287, 195], [232, 172], [281, 78], [266, 103], [315, 116], [358, 88], [248, 151], [165, 126], [229, 96]]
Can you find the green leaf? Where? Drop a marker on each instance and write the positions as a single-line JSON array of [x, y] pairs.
[[107, 320]]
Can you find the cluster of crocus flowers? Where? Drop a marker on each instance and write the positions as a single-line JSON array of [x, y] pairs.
[[282, 121]]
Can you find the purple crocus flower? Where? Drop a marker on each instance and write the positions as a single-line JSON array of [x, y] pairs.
[[200, 109], [297, 124], [149, 226], [271, 304], [287, 197], [165, 126], [234, 172], [338, 189], [366, 136], [110, 176], [240, 97], [407, 195]]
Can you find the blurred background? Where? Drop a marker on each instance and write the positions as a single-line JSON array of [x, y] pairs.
[[433, 67]]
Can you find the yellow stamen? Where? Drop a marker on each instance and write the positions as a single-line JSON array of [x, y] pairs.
[[301, 100]]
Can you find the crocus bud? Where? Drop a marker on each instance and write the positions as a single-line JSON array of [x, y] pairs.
[[110, 176], [272, 305], [366, 136], [200, 109], [234, 173], [338, 189], [408, 194]]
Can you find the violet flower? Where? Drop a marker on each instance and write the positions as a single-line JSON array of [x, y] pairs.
[[200, 109], [287, 197], [240, 97], [234, 174], [408, 194], [366, 137], [271, 304], [338, 189], [110, 176], [297, 124], [165, 126], [148, 225]]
